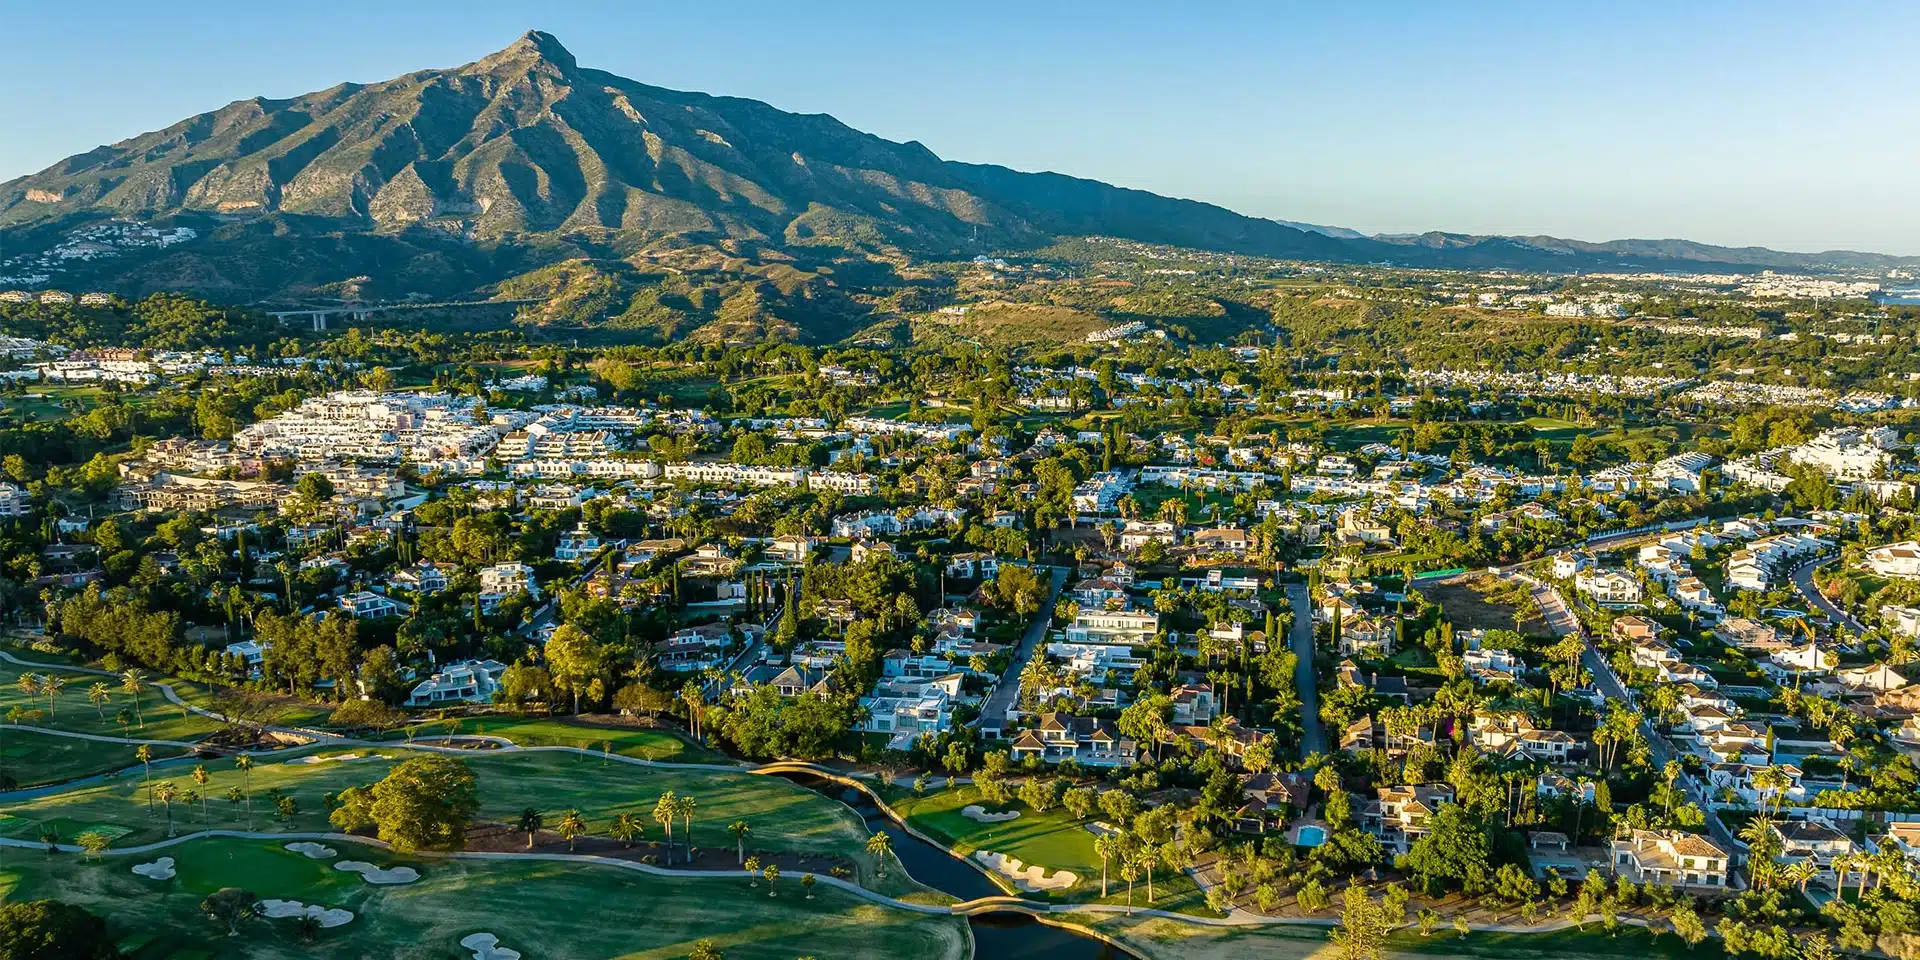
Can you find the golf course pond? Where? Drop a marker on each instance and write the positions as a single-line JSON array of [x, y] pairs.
[[996, 935]]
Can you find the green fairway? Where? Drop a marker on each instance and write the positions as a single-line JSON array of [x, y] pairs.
[[70, 709], [32, 758], [1159, 939], [783, 816], [566, 732], [551, 910], [1052, 839]]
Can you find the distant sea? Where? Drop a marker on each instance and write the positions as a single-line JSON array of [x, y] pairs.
[[1911, 297]]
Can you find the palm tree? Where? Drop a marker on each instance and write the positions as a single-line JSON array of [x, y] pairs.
[[664, 811], [50, 687], [878, 846], [686, 807], [1149, 858], [99, 696], [166, 793], [806, 883], [30, 686], [134, 683], [1107, 845], [244, 764], [572, 825], [530, 823], [772, 873], [625, 827], [144, 754], [739, 829], [752, 867], [200, 777]]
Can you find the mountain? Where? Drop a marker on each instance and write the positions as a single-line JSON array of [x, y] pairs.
[[450, 182]]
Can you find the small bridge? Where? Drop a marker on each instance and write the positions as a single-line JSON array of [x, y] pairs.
[[319, 315]]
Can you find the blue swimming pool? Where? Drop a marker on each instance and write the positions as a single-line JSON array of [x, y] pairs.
[[1311, 835]]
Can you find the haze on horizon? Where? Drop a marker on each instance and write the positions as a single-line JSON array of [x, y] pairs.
[[1736, 123]]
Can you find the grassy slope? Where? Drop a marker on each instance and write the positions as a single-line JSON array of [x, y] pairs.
[[534, 907], [33, 758], [782, 815], [1052, 839], [564, 732], [1157, 939], [71, 711]]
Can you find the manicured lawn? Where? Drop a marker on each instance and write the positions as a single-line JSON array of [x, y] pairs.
[[1052, 839], [782, 815], [1157, 939], [33, 758], [566, 732], [558, 911], [72, 711]]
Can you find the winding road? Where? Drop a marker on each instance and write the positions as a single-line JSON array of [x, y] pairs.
[[1803, 582]]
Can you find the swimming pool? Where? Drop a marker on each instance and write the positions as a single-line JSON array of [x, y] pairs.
[[1311, 835]]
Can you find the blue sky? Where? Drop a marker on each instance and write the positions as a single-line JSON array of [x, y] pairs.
[[1785, 125]]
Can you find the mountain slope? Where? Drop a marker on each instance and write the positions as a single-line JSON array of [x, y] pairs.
[[453, 180]]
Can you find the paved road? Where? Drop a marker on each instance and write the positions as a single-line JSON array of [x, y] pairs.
[[1561, 619], [1300, 638], [1803, 582], [1007, 693]]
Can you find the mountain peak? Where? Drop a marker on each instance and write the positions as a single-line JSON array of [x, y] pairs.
[[534, 46]]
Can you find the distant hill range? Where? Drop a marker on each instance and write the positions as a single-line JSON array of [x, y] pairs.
[[455, 180]]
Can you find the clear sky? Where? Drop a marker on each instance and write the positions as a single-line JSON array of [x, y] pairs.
[[1788, 125]]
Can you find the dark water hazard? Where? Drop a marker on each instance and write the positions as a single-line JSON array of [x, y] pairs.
[[1014, 936], [995, 935], [925, 862]]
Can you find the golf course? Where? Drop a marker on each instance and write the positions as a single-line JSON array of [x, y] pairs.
[[547, 909]]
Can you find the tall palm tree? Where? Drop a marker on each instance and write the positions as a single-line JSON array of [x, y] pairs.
[[878, 846], [572, 825], [244, 764], [50, 687], [530, 823], [1148, 858], [166, 793], [144, 754], [99, 696], [30, 686], [200, 777], [135, 683], [1107, 845], [686, 806], [664, 810], [739, 829]]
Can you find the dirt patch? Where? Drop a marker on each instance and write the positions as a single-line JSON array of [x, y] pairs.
[[1484, 603]]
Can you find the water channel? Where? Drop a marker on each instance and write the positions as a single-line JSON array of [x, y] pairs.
[[995, 935]]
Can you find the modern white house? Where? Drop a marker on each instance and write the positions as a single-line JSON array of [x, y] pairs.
[[503, 580], [471, 681]]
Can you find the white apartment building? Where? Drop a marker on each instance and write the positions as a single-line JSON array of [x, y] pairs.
[[1128, 627]]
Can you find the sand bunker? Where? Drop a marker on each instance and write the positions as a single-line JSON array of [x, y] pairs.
[[373, 874], [281, 909], [976, 812], [1100, 828], [486, 946], [340, 758], [313, 851], [161, 869], [1030, 879]]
